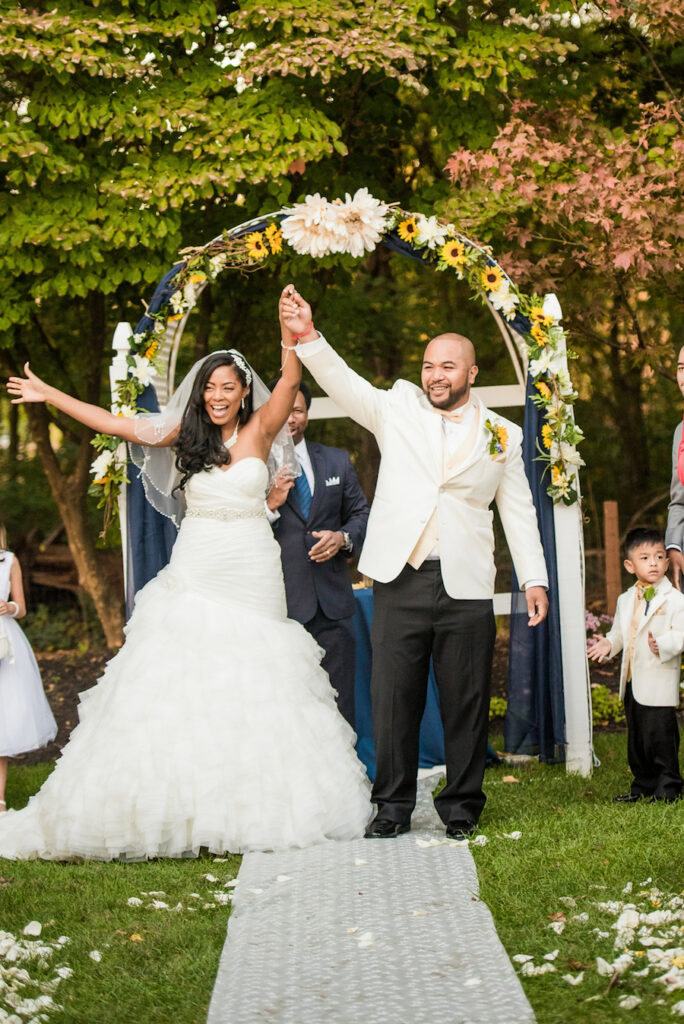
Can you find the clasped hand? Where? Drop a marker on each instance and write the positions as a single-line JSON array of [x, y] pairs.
[[294, 312]]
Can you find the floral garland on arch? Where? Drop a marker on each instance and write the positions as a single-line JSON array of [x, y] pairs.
[[355, 225]]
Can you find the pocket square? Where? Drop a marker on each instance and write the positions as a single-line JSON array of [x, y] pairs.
[[332, 481]]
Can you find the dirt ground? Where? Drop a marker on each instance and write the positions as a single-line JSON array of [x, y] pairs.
[[68, 673]]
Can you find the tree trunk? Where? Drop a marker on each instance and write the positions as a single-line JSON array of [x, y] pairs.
[[70, 498]]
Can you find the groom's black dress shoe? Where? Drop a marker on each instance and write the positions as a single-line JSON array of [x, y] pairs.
[[460, 829], [385, 828]]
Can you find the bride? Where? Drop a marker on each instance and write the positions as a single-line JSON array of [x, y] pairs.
[[214, 725]]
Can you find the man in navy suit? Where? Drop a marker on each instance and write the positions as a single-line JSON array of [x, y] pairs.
[[319, 520]]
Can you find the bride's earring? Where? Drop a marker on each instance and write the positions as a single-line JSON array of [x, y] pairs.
[[242, 404]]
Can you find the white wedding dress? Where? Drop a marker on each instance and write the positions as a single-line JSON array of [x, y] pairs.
[[214, 726]]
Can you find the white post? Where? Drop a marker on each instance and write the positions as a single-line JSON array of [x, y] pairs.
[[570, 563], [118, 370]]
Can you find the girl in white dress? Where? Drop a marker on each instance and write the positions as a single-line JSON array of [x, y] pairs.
[[26, 721], [214, 726]]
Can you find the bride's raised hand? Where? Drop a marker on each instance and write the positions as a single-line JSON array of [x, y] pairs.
[[27, 389], [294, 311]]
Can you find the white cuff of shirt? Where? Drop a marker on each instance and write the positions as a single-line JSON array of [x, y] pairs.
[[272, 514], [311, 348], [536, 583], [673, 547]]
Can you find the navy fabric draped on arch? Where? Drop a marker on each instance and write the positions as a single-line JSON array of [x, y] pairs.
[[535, 721]]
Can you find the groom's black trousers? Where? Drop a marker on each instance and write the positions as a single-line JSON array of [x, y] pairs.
[[413, 618]]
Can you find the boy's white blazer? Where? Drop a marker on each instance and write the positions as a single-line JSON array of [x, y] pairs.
[[655, 678], [410, 483]]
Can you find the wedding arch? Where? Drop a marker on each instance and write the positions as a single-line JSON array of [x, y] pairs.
[[531, 330]]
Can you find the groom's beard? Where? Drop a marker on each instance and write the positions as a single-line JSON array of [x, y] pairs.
[[451, 399]]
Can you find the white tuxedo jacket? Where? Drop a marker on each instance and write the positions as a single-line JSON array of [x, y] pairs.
[[655, 678], [410, 484]]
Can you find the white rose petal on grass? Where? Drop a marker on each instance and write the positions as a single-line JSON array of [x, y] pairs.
[[557, 926], [157, 905], [530, 971], [209, 878], [63, 972], [580, 918], [134, 901], [512, 835], [522, 958], [62, 940], [95, 955], [551, 956], [156, 892], [629, 918], [231, 884], [628, 888], [574, 979], [629, 1002], [603, 967], [479, 841], [220, 860], [33, 928], [677, 1009]]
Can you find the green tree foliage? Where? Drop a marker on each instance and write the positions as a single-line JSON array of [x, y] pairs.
[[131, 129]]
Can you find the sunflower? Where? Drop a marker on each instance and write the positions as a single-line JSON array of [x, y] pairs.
[[492, 278], [274, 237], [543, 389], [502, 435], [547, 435], [453, 253], [408, 229], [538, 316], [256, 249], [538, 334], [151, 351]]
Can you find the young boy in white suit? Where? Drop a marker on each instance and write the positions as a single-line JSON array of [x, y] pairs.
[[649, 630]]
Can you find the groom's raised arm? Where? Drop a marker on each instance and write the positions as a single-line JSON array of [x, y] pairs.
[[355, 395], [351, 392]]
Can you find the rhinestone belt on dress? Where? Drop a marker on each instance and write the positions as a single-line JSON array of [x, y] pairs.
[[226, 515]]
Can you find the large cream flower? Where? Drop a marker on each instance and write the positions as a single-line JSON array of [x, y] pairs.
[[310, 227], [430, 232], [360, 222], [504, 300]]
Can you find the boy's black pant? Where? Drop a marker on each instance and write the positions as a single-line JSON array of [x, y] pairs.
[[653, 749]]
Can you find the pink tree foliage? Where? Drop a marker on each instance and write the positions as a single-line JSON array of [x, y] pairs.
[[572, 193]]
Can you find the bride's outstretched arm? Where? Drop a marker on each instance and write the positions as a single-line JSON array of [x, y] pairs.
[[32, 389]]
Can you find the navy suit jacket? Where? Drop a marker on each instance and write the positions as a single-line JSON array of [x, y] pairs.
[[338, 504]]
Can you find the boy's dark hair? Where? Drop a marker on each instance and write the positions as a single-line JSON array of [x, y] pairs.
[[302, 387], [642, 535]]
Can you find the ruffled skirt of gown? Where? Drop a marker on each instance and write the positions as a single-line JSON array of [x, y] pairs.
[[214, 726]]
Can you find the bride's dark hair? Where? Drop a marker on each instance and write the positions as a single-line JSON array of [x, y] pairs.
[[200, 444]]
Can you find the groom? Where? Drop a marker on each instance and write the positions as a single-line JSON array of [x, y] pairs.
[[429, 548]]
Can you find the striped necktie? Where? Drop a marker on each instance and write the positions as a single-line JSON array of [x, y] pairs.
[[303, 493]]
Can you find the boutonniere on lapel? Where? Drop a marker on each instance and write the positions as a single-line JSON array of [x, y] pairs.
[[646, 593], [498, 440]]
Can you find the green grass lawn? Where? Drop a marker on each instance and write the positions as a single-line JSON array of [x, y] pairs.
[[159, 965]]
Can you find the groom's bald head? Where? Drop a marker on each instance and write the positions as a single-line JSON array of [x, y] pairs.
[[449, 370]]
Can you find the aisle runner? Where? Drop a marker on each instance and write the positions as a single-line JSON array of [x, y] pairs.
[[365, 932]]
